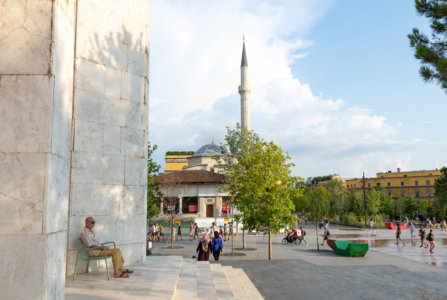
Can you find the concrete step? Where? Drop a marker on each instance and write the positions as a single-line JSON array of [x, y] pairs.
[[221, 284], [205, 282], [187, 283], [164, 274], [249, 287], [235, 284]]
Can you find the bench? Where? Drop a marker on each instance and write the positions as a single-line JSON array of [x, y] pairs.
[[83, 253]]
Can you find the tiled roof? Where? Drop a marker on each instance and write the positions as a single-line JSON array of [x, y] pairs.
[[192, 176]]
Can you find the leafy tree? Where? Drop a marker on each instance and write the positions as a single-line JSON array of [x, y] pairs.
[[373, 204], [154, 194], [411, 206], [441, 192], [318, 205], [355, 203], [318, 179], [387, 205], [399, 207], [432, 51], [261, 184]]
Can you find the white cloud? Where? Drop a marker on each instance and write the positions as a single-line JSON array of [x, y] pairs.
[[195, 58]]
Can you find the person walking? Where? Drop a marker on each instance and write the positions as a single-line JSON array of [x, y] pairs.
[[303, 237], [371, 225], [162, 232], [423, 234], [179, 232], [225, 232], [412, 228], [326, 235], [173, 232], [203, 248], [398, 233], [216, 245], [191, 231], [431, 240], [196, 231]]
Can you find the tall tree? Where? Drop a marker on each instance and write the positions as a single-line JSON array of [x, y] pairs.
[[154, 194], [373, 205], [441, 192], [262, 187], [318, 205], [432, 52]]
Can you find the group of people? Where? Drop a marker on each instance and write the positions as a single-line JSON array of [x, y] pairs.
[[207, 245], [298, 235], [430, 238], [156, 232], [433, 224]]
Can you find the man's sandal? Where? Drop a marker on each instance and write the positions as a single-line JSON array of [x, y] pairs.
[[124, 275], [128, 271]]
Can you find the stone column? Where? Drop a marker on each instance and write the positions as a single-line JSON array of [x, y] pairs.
[[36, 99], [180, 205]]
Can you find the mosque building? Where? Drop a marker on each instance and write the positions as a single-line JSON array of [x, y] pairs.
[[191, 184]]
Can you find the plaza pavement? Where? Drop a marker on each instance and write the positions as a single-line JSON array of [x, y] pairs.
[[297, 272]]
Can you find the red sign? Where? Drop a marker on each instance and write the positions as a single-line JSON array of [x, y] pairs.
[[193, 208], [226, 208]]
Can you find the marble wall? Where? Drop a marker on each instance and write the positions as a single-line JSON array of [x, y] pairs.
[[70, 105], [110, 125]]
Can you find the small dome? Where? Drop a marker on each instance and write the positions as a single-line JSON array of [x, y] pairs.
[[209, 150]]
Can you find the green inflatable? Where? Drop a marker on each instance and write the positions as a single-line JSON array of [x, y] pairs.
[[346, 248]]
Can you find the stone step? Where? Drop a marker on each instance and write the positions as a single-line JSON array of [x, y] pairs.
[[221, 284], [164, 274], [248, 285], [205, 282], [235, 285], [187, 283]]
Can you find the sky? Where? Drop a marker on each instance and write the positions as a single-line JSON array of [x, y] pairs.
[[334, 82]]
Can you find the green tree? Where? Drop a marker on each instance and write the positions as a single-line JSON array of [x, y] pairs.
[[262, 186], [399, 207], [387, 205], [411, 206], [154, 195], [374, 202], [318, 199], [431, 51], [355, 203], [441, 193]]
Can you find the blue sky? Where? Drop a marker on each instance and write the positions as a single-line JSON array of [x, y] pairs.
[[334, 83]]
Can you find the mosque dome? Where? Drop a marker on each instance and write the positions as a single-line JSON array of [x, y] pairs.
[[209, 150]]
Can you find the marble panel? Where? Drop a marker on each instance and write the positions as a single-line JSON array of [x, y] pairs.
[[112, 81], [111, 169], [135, 172], [61, 119], [132, 87], [134, 201], [111, 140], [85, 167], [87, 105], [25, 127], [113, 110], [133, 142], [139, 10], [137, 115], [134, 229], [56, 193], [88, 136], [22, 182], [77, 223], [134, 254], [55, 262], [137, 60], [96, 199], [25, 37], [115, 51], [89, 75]]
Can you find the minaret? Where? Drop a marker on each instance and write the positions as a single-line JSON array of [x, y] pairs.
[[244, 91]]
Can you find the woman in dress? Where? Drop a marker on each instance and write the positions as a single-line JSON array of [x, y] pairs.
[[203, 248]]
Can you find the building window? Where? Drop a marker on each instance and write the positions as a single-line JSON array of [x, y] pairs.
[[381, 177], [378, 183], [389, 183], [405, 175], [416, 193], [427, 182], [428, 192], [226, 204], [355, 185], [430, 174], [190, 205], [402, 183], [369, 184], [416, 182], [402, 193]]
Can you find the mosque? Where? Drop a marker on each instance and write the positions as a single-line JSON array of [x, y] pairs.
[[192, 189]]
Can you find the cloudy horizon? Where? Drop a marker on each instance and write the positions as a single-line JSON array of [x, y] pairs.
[[196, 49]]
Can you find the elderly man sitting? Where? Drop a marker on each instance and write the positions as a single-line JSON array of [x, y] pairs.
[[90, 240]]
